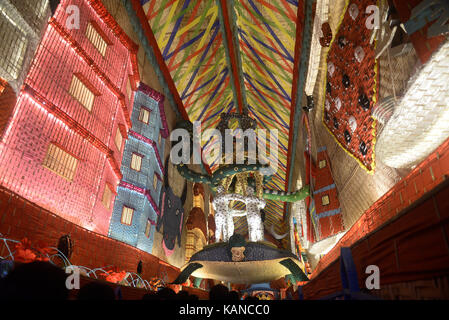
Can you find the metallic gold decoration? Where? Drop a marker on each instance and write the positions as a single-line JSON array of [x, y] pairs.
[[259, 184], [241, 183], [226, 182]]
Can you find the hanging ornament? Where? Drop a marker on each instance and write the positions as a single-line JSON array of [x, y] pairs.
[[347, 136], [338, 104], [335, 123], [353, 11], [363, 148], [359, 54], [346, 81], [342, 42], [330, 69], [352, 123], [364, 102]]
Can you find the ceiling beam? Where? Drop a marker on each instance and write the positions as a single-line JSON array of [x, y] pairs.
[[302, 52], [229, 28]]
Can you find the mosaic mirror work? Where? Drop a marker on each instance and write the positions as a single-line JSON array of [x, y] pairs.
[[351, 88]]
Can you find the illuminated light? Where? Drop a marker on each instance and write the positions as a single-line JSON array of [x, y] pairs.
[[223, 214], [89, 226], [26, 95], [420, 122], [49, 116], [80, 130], [109, 21], [65, 36], [13, 118]]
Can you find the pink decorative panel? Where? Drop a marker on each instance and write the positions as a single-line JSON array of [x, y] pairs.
[[47, 113]]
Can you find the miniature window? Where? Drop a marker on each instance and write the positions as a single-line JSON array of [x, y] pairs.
[[81, 93], [148, 228], [325, 200], [322, 164], [96, 39], [118, 139], [154, 182], [60, 162], [136, 162], [144, 115], [107, 196], [127, 215], [129, 89]]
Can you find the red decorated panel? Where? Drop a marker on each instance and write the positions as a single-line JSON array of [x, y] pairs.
[[351, 86]]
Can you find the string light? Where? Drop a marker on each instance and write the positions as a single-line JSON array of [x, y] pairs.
[[223, 214]]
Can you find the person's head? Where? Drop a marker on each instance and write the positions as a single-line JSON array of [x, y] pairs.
[[149, 296], [193, 297], [96, 291], [182, 295], [35, 281], [166, 294], [218, 292], [234, 295]]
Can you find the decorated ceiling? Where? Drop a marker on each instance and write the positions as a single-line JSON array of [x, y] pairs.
[[226, 56]]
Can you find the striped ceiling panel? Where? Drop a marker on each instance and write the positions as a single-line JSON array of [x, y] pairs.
[[267, 36], [193, 44]]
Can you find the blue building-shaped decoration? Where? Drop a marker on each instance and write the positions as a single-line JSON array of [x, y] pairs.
[[136, 206]]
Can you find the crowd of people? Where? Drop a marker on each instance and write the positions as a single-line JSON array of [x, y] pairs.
[[43, 281]]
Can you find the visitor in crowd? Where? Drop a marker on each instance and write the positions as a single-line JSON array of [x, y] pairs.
[[234, 295], [43, 281], [34, 281], [219, 292], [96, 291]]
